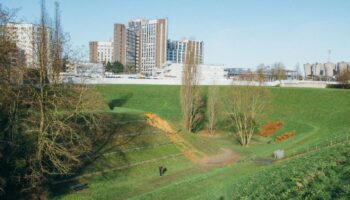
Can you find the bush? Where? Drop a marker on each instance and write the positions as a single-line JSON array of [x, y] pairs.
[[339, 86]]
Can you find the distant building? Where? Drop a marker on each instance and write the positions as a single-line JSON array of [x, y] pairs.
[[25, 36], [342, 67], [208, 73], [291, 75], [176, 51], [325, 71], [142, 44], [93, 70], [101, 52], [246, 74], [308, 70], [329, 69], [119, 46], [238, 73]]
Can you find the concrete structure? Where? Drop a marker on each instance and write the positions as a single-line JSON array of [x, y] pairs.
[[330, 69], [308, 69], [142, 44], [89, 70], [319, 69], [342, 67], [291, 74], [208, 74], [326, 71], [101, 52], [176, 51]]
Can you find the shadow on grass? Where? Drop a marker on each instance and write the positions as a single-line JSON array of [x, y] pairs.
[[119, 102], [108, 157]]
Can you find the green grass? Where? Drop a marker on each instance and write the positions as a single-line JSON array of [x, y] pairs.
[[316, 115], [163, 100]]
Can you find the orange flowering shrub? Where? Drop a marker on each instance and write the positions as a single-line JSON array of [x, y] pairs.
[[270, 128]]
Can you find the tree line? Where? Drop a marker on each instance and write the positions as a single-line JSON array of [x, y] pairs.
[[48, 130], [117, 67]]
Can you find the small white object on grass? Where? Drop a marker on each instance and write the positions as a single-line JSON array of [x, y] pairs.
[[278, 154]]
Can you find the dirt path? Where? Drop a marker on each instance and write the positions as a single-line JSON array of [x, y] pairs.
[[227, 156], [185, 147]]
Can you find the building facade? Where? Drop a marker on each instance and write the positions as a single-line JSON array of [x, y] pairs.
[[27, 36], [324, 70], [142, 44], [119, 46], [101, 52], [176, 51], [343, 67]]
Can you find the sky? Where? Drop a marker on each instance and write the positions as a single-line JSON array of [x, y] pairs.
[[236, 33]]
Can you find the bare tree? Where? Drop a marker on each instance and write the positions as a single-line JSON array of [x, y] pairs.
[[191, 98], [57, 47], [298, 72], [212, 108], [45, 127], [244, 106], [343, 77], [10, 55], [260, 74], [278, 71]]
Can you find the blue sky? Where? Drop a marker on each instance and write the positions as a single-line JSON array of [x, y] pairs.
[[237, 33]]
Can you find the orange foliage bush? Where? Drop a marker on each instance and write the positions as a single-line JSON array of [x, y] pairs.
[[285, 136], [270, 128]]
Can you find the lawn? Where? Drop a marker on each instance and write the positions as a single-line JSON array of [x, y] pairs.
[[316, 115]]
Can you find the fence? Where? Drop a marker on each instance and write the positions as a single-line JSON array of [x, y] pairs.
[[335, 140]]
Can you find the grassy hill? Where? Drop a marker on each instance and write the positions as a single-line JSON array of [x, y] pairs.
[[128, 167]]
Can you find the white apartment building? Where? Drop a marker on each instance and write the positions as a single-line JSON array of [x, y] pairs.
[[153, 39], [26, 37], [101, 52], [23, 35]]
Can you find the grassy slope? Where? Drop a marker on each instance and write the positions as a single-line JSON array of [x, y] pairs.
[[314, 114]]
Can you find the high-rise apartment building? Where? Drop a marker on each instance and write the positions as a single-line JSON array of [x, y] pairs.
[[142, 44], [101, 52], [134, 28], [119, 47], [176, 51], [153, 40], [26, 37]]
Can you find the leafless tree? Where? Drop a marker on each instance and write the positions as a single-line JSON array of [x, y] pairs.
[[191, 97], [45, 127], [278, 71], [244, 106], [260, 74], [57, 46], [343, 77], [10, 55], [297, 70], [212, 108]]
